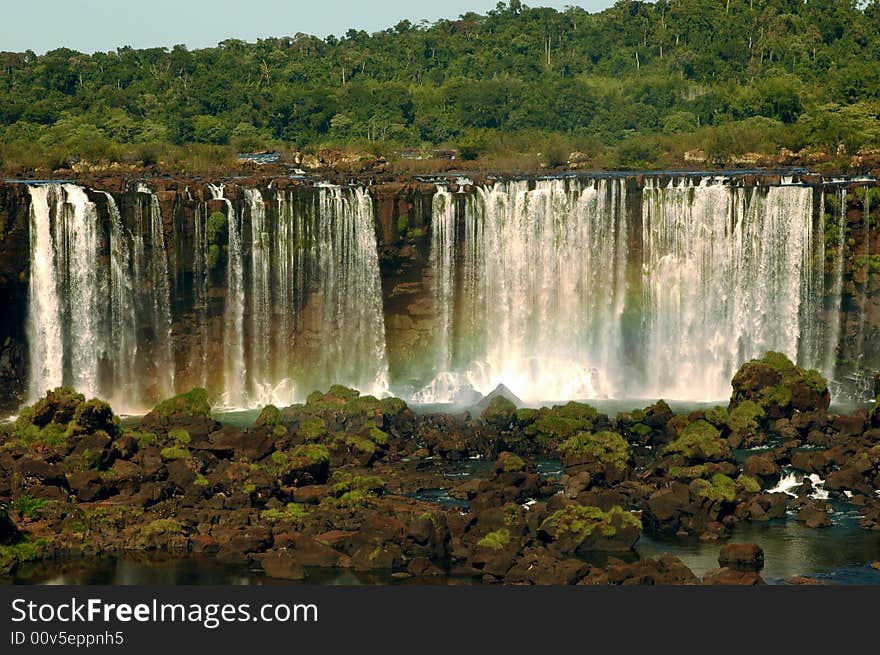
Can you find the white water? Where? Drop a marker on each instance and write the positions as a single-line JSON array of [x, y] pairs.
[[555, 303], [544, 280], [150, 271], [723, 270], [44, 315], [234, 389], [123, 313]]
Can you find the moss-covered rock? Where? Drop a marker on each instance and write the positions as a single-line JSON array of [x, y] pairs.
[[583, 528], [779, 387], [496, 540], [192, 403], [551, 426], [499, 412], [270, 416], [62, 414], [699, 441], [603, 454]]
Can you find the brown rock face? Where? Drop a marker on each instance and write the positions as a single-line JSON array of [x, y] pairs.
[[742, 557]]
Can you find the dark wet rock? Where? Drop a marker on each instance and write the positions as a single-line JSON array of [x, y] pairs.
[[9, 532], [282, 564], [541, 567], [779, 387], [767, 506], [729, 577], [763, 468], [664, 570], [815, 513], [742, 557]]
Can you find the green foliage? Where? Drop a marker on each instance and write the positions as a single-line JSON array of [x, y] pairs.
[[719, 488], [554, 425], [582, 520], [724, 77], [269, 416], [29, 506], [293, 513], [192, 403], [746, 416], [312, 429], [495, 540], [179, 436], [314, 453], [174, 452], [143, 439], [512, 463], [61, 414], [499, 412], [699, 440], [605, 447]]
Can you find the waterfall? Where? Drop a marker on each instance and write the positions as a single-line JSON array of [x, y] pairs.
[[446, 385], [544, 285], [150, 271], [836, 292], [724, 268], [235, 392], [44, 313], [200, 286], [351, 345], [265, 389], [123, 313], [552, 304]]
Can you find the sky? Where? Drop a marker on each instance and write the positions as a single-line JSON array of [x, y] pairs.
[[102, 25]]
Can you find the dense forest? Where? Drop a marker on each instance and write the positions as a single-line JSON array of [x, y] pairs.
[[634, 85]]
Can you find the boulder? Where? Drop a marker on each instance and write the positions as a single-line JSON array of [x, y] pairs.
[[728, 577], [742, 557]]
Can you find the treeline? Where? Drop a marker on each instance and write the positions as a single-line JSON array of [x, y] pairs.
[[627, 85]]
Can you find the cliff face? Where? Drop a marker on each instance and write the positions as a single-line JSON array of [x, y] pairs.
[[204, 325]]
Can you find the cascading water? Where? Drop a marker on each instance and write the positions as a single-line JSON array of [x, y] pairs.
[[553, 306], [556, 288], [44, 305], [544, 285], [836, 292], [150, 271], [235, 391], [123, 312], [724, 269], [446, 385], [351, 345]]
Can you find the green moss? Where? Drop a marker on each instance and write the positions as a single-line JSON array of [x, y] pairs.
[[778, 362], [499, 411], [688, 472], [392, 406], [270, 416], [315, 453], [779, 395], [216, 228], [174, 452], [293, 513], [746, 416], [345, 483], [717, 416], [192, 403], [699, 439], [142, 439], [249, 488], [378, 437], [279, 431], [402, 223], [814, 380], [554, 425], [748, 484], [312, 429], [179, 436], [606, 447], [640, 430], [201, 481], [719, 488], [582, 521], [525, 416], [214, 257], [29, 506], [495, 540], [512, 463], [161, 527], [24, 551], [343, 393], [360, 444]]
